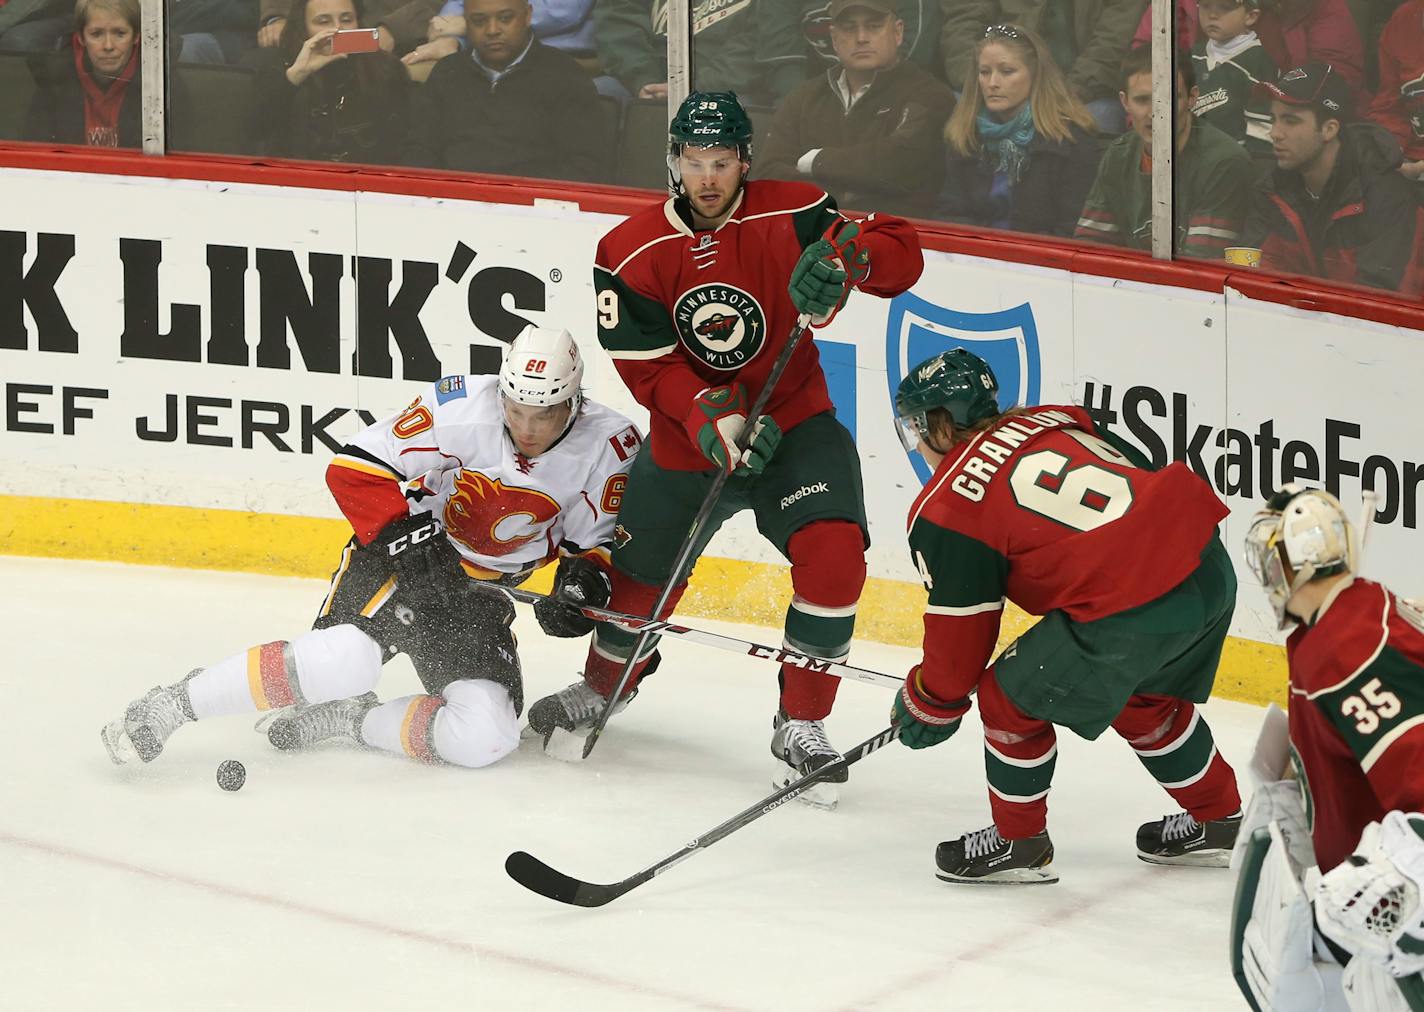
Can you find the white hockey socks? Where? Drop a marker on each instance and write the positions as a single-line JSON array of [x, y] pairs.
[[472, 724], [319, 665]]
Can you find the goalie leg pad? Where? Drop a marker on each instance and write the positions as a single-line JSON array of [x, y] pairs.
[[1272, 931]]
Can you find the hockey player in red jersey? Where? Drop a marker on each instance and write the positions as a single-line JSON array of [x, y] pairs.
[[483, 477], [694, 305], [1356, 749], [1041, 507]]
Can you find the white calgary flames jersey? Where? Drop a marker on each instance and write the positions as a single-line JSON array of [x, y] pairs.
[[507, 513]]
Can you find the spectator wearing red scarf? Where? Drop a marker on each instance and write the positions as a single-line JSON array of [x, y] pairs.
[[90, 95]]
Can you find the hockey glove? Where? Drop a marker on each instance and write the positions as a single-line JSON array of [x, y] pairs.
[[923, 719], [578, 582], [421, 556], [819, 285], [715, 422], [828, 269]]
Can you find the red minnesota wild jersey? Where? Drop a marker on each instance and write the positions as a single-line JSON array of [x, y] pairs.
[[1357, 714], [682, 310], [1043, 510]]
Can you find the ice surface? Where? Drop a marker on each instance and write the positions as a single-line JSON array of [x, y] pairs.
[[351, 880]]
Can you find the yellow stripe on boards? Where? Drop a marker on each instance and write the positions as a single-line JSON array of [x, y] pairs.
[[755, 593]]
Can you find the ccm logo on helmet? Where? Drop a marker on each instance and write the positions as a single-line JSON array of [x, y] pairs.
[[804, 491]]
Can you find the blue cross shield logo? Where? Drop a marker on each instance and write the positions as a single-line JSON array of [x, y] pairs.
[[1007, 340]]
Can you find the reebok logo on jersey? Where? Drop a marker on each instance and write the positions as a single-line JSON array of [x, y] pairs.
[[803, 492]]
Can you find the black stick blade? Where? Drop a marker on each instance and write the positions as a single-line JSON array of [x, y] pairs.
[[538, 877]]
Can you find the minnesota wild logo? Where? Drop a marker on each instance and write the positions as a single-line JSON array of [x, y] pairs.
[[721, 325]]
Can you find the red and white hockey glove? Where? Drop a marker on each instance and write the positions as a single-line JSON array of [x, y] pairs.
[[717, 418], [923, 719]]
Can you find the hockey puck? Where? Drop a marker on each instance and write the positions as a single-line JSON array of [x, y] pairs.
[[231, 775]]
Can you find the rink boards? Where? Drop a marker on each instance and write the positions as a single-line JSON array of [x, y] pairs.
[[180, 359]]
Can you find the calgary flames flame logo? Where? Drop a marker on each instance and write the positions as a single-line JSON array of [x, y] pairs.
[[492, 518]]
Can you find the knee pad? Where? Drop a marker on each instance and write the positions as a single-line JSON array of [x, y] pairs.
[[335, 662], [828, 562], [477, 725]]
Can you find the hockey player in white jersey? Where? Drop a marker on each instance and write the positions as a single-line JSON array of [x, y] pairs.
[[481, 477]]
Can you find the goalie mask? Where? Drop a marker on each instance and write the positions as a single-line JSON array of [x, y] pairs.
[[957, 380], [1301, 535], [708, 119]]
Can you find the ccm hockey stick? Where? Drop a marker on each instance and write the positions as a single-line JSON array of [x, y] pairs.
[[699, 522], [536, 876], [711, 639]]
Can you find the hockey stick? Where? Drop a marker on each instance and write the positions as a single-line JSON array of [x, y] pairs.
[[684, 556], [664, 628], [536, 876]]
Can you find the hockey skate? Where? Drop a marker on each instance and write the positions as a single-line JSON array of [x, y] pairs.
[[563, 721], [1181, 839], [307, 725], [985, 857], [801, 748], [148, 722]]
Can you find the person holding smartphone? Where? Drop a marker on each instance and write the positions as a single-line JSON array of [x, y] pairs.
[[327, 92]]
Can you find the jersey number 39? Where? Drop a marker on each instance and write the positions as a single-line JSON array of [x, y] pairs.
[[1081, 496]]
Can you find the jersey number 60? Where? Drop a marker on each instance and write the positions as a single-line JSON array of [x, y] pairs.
[[1080, 496]]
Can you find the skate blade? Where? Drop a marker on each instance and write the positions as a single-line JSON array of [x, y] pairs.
[[1016, 876], [821, 796], [267, 719], [117, 744], [1194, 859], [565, 746]]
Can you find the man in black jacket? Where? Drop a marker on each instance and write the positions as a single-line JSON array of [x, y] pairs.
[[1335, 206], [510, 105], [868, 129]]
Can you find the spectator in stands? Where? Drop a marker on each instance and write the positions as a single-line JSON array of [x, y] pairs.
[[340, 108], [868, 129], [754, 48], [565, 25], [1188, 26], [1399, 104], [1213, 176], [402, 23], [90, 94], [1296, 32], [1022, 153], [1335, 206], [34, 26], [1228, 62], [510, 105], [209, 31], [1088, 39], [921, 33]]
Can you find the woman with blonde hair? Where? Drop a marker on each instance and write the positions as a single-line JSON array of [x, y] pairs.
[[90, 93], [1022, 150]]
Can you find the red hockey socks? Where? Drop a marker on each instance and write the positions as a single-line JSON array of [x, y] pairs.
[[612, 645], [1020, 753], [1176, 746], [827, 576]]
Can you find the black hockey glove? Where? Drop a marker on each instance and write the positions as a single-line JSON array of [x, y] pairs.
[[578, 582], [420, 555]]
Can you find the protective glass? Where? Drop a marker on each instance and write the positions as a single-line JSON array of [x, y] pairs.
[[911, 429]]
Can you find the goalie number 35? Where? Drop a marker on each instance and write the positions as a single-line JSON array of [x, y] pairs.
[[1371, 705]]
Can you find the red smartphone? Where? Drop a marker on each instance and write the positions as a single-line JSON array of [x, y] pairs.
[[356, 40]]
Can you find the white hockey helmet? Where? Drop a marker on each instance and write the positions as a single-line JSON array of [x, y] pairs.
[[1301, 535], [543, 367]]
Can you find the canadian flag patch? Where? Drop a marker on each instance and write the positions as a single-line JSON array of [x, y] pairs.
[[625, 443]]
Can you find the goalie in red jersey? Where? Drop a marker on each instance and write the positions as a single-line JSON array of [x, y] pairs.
[[1040, 506], [697, 296], [1354, 741]]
